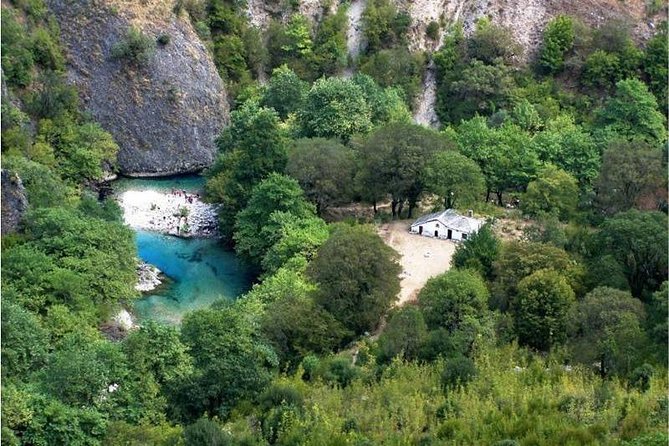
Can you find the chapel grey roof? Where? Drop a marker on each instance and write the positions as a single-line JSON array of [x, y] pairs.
[[451, 219]]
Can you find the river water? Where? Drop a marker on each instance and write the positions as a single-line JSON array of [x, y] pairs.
[[200, 271]]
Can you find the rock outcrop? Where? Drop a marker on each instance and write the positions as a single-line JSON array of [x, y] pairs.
[[164, 114], [14, 202]]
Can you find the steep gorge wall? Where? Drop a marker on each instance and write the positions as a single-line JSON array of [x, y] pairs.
[[165, 115]]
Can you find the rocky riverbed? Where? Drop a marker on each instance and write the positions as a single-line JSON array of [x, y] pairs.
[[177, 212]]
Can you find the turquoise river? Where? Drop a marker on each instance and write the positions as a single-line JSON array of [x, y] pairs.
[[200, 271]]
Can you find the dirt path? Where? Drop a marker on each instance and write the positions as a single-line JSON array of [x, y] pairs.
[[422, 257]]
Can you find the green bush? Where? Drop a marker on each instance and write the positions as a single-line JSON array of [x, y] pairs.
[[558, 39], [163, 39], [205, 432], [432, 30], [134, 47]]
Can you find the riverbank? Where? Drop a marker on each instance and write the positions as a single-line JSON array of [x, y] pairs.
[[175, 212]]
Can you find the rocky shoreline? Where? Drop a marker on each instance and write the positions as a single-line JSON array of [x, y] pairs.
[[148, 277], [178, 213]]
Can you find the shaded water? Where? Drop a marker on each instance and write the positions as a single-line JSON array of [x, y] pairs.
[[201, 273], [199, 269]]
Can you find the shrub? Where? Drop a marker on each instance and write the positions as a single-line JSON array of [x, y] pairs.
[[163, 39], [134, 48], [205, 432], [432, 30], [457, 372], [558, 39]]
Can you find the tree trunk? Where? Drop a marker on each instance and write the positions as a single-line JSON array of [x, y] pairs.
[[499, 198], [487, 194], [393, 206], [375, 210], [399, 210]]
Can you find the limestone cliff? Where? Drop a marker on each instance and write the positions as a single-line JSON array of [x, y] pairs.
[[165, 114], [14, 201]]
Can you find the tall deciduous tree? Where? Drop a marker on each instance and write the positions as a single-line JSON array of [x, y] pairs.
[[334, 108], [393, 160], [255, 228], [553, 192], [607, 327], [633, 113], [251, 148], [453, 299], [570, 147], [231, 361], [454, 178], [633, 174], [558, 39], [478, 252], [542, 309], [520, 259], [357, 276], [325, 170], [638, 241], [285, 91]]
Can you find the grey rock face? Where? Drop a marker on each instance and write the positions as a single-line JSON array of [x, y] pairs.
[[164, 115], [14, 202]]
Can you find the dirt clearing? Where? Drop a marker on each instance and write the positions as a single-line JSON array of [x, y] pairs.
[[421, 257]]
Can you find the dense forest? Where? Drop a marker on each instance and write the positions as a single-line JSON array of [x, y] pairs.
[[555, 337]]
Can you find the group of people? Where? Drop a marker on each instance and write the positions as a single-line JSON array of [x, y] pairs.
[[187, 197]]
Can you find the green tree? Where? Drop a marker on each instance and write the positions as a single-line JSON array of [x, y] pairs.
[[477, 89], [454, 178], [383, 25], [25, 342], [295, 327], [334, 108], [297, 240], [491, 43], [478, 252], [607, 328], [285, 92], [80, 374], [553, 192], [453, 299], [542, 308], [505, 154], [357, 276], [231, 362], [396, 68], [330, 49], [601, 70], [325, 169], [205, 432], [387, 105], [393, 159], [558, 39], [403, 335], [519, 259], [638, 240], [255, 229], [82, 262], [568, 146], [632, 113], [632, 175], [17, 57], [158, 350], [658, 323], [655, 67], [251, 148]]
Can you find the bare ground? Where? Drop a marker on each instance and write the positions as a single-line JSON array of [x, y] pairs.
[[421, 257]]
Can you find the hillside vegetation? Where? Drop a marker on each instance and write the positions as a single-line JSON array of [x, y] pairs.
[[557, 336]]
